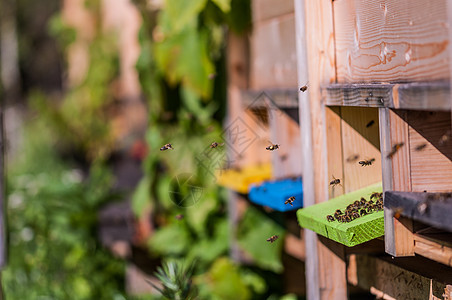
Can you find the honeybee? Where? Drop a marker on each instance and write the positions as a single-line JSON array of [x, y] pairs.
[[304, 87], [166, 147], [444, 138], [420, 147], [362, 201], [366, 162], [362, 212], [335, 181], [179, 217], [372, 122], [375, 195], [290, 201], [352, 158], [394, 149], [355, 215], [272, 238], [215, 145], [330, 218], [347, 219], [272, 146], [337, 213]]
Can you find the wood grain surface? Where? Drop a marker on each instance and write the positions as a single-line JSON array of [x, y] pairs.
[[391, 40]]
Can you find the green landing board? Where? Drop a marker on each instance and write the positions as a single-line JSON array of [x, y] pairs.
[[358, 231]]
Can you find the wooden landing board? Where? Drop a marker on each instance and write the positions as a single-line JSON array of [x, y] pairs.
[[434, 209], [387, 41], [349, 234], [240, 180], [433, 95]]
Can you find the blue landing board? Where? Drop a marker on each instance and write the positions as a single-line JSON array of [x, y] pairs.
[[274, 193]]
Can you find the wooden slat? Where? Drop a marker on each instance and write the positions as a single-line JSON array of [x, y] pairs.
[[412, 278], [334, 146], [433, 250], [366, 95], [433, 95], [273, 54], [358, 139], [267, 9], [271, 98], [399, 237], [431, 168], [286, 161], [326, 272], [433, 209], [391, 40]]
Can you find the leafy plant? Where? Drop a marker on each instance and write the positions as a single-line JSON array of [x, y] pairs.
[[176, 280]]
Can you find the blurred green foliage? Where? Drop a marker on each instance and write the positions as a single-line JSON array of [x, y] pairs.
[[52, 212]]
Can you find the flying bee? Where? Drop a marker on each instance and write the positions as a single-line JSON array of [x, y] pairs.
[[272, 238], [179, 217], [304, 87], [366, 162], [397, 212], [272, 146], [444, 138], [352, 158], [335, 182], [420, 147], [166, 147], [372, 122], [394, 149], [330, 218], [215, 145], [290, 201]]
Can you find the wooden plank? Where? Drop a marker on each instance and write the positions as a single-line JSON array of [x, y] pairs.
[[286, 161], [431, 168], [433, 209], [334, 148], [273, 54], [315, 39], [433, 250], [432, 95], [366, 95], [267, 9], [412, 278], [359, 139], [391, 40], [271, 98]]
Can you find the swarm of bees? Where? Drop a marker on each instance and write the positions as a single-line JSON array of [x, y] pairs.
[[272, 147], [366, 162], [272, 238], [166, 147], [215, 145], [290, 201], [358, 209]]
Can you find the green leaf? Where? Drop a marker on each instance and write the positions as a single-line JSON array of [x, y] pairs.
[[183, 12], [170, 240], [224, 5], [254, 230], [140, 198]]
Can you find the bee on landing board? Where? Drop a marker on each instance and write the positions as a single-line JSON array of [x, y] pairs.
[[335, 182], [272, 146], [215, 145], [166, 147], [304, 87], [290, 201], [366, 162], [272, 238], [330, 218], [394, 149]]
